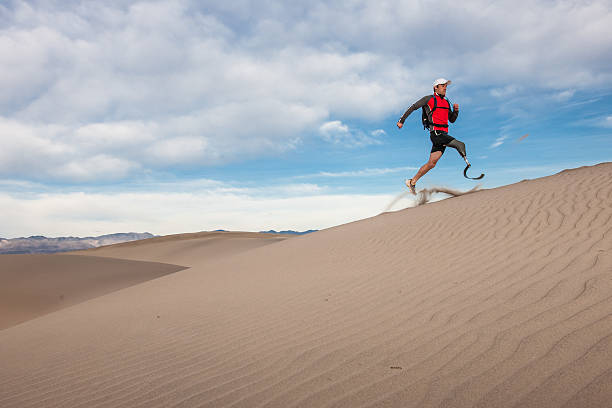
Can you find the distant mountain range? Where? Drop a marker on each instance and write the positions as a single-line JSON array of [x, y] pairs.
[[44, 245]]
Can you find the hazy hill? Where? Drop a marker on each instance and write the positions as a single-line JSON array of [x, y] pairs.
[[44, 245]]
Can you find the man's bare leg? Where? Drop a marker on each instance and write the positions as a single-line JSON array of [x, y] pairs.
[[433, 160]]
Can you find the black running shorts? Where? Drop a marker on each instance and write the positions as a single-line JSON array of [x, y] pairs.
[[439, 139]]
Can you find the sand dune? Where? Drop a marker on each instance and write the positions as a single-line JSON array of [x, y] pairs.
[[34, 285], [187, 249], [499, 298]]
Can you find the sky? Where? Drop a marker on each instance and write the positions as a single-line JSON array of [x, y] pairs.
[[182, 116]]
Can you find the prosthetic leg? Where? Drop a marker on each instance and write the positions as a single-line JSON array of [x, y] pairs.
[[460, 146]]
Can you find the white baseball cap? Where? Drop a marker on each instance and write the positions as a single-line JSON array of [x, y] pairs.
[[441, 81]]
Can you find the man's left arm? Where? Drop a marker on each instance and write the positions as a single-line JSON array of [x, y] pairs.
[[452, 115]]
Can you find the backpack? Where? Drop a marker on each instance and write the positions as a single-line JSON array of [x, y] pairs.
[[427, 118]]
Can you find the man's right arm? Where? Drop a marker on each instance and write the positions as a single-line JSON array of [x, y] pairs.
[[418, 104]]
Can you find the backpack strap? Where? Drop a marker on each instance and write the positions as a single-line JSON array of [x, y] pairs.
[[435, 104]]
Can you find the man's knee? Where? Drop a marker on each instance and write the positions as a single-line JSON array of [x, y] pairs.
[[433, 159]]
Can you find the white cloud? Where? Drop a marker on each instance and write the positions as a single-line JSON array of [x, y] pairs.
[[594, 121], [505, 92], [125, 86], [57, 152], [337, 133], [334, 130], [564, 96], [203, 83], [19, 185], [471, 41], [498, 142], [84, 214], [364, 172], [289, 190], [99, 167], [177, 150], [114, 136]]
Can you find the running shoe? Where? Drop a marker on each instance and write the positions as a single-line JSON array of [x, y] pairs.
[[411, 186]]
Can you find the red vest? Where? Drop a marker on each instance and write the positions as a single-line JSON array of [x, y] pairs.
[[440, 115]]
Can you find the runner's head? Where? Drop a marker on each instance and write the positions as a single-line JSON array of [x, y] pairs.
[[440, 85]]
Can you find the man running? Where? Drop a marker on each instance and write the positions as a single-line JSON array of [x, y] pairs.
[[438, 112]]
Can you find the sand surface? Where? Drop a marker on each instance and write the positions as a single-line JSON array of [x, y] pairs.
[[499, 298], [187, 249], [34, 285]]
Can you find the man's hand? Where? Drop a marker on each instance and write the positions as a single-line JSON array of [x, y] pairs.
[[455, 106], [399, 125]]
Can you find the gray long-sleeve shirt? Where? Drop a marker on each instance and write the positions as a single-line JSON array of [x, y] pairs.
[[452, 114]]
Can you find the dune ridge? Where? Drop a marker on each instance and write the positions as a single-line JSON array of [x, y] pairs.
[[499, 298], [187, 249], [34, 285]]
